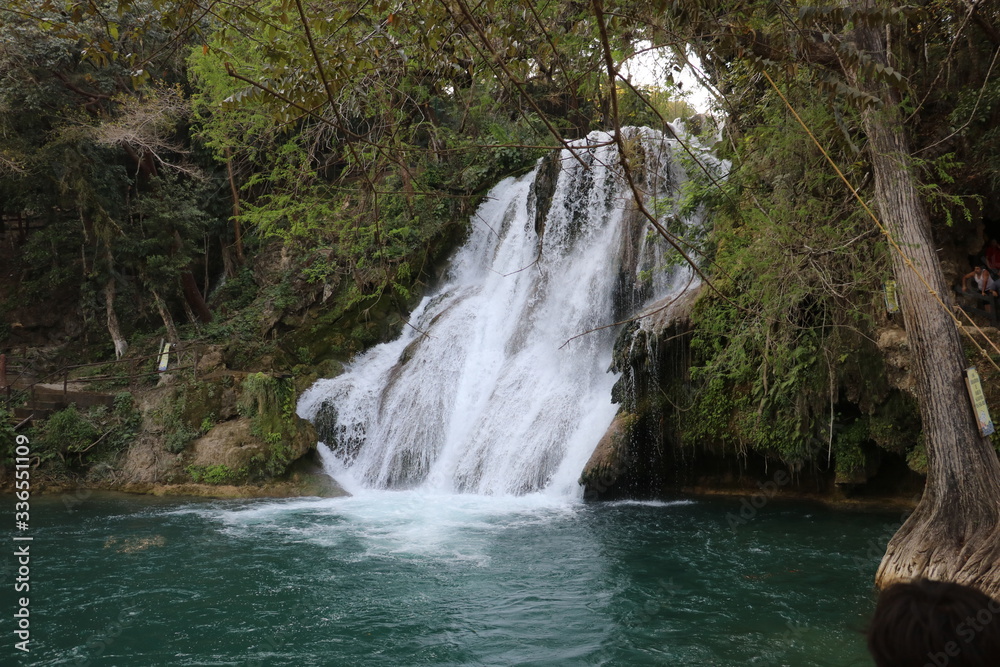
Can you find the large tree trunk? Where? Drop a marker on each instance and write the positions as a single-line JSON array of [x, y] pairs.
[[189, 286], [236, 209], [121, 345], [194, 298], [952, 535], [168, 321]]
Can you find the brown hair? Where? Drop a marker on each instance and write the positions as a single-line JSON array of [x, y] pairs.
[[927, 623]]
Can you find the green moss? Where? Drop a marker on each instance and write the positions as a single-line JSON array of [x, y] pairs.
[[176, 425], [895, 425], [200, 402], [177, 435], [216, 474], [629, 423], [192, 411], [847, 450], [917, 459], [269, 402], [611, 463], [81, 439]]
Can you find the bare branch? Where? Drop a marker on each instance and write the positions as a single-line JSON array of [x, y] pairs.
[[634, 318], [623, 158], [145, 126]]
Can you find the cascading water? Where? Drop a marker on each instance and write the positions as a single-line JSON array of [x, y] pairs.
[[492, 389]]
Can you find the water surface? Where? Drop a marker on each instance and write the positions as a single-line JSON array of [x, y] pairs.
[[409, 578]]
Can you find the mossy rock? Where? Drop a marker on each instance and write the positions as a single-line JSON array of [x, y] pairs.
[[610, 458], [233, 445], [209, 400], [333, 331]]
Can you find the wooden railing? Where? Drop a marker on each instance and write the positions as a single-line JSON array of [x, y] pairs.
[[24, 371], [9, 367], [989, 303]]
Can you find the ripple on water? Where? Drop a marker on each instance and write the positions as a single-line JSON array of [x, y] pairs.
[[413, 578]]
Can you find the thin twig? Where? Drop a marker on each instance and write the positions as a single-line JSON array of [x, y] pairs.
[[972, 115], [639, 316], [623, 158], [510, 76], [907, 260], [946, 62]]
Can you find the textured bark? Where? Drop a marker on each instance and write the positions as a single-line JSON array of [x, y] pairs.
[[191, 318], [144, 161], [168, 321], [121, 345], [953, 533], [193, 297], [235, 191], [228, 265]]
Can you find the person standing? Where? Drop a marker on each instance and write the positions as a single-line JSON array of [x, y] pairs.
[[984, 282]]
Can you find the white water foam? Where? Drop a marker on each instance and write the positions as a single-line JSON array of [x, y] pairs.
[[492, 390], [652, 503], [377, 523]]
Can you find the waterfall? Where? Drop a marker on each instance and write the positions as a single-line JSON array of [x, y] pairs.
[[494, 387]]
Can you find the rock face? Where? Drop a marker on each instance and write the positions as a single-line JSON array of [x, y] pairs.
[[211, 360], [649, 449], [146, 461], [542, 190], [305, 478], [609, 460], [227, 432], [230, 444], [635, 450], [234, 445]]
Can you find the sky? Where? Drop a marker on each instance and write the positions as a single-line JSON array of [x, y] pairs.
[[649, 68]]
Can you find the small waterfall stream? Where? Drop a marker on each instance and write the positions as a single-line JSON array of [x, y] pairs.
[[491, 389]]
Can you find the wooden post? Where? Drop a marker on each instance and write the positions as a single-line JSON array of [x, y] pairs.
[[3, 374]]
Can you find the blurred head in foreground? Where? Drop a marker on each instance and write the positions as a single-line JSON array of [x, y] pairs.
[[927, 623]]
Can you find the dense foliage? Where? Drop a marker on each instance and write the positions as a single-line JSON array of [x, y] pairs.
[[789, 364], [329, 153], [150, 146], [86, 441]]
